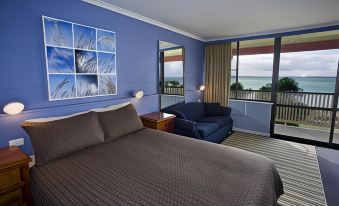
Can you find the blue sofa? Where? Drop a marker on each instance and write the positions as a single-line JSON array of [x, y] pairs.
[[206, 121]]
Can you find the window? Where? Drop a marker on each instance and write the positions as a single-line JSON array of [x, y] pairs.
[[309, 63], [305, 87], [254, 70]]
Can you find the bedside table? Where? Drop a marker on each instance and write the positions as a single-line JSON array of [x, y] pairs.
[[159, 121], [14, 177]]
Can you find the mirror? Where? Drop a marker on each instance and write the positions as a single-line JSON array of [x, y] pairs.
[[171, 74]]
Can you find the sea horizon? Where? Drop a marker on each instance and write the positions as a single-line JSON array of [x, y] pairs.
[[308, 83]]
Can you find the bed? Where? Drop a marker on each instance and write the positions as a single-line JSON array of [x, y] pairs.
[[149, 167]]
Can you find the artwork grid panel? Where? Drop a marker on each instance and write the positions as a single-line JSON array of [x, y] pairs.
[[78, 71]]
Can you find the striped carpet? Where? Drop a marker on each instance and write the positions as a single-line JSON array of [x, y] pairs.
[[297, 165]]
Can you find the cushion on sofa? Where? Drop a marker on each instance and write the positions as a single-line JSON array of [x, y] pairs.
[[119, 122], [206, 129], [192, 111], [220, 120], [55, 139], [212, 109]]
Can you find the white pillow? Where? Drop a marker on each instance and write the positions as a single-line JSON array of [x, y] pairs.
[[110, 108], [48, 119]]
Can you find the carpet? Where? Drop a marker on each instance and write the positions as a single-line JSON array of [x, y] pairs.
[[297, 165]]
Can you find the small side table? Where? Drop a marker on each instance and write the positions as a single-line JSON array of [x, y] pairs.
[[14, 177], [159, 121]]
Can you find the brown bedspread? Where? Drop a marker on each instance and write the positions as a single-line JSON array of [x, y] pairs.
[[150, 167]]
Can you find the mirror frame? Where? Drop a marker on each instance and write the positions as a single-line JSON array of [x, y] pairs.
[[160, 77]]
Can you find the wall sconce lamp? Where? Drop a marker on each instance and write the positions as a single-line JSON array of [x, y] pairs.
[[13, 108], [138, 94], [202, 87]]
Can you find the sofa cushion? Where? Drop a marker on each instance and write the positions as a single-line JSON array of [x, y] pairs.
[[206, 129], [220, 120], [212, 109], [119, 122], [55, 139], [192, 110]]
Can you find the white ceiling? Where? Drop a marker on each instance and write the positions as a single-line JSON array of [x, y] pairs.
[[219, 19]]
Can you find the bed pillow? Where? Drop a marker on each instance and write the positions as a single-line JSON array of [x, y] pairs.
[[110, 108], [119, 122], [55, 139], [48, 119]]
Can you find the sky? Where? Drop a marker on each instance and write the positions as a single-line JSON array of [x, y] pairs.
[[58, 33], [60, 60], [106, 41], [106, 63], [321, 63], [105, 80], [86, 61], [84, 37], [173, 69], [56, 79], [87, 83]]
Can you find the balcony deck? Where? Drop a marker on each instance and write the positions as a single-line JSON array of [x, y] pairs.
[[305, 133]]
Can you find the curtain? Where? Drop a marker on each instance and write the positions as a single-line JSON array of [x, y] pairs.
[[218, 73]]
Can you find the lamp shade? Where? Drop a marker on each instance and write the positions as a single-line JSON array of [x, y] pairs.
[[14, 108], [138, 94], [202, 87]]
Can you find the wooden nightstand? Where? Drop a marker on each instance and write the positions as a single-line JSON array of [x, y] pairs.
[[159, 121], [14, 177]]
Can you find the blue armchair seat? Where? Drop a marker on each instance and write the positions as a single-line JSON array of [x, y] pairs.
[[205, 129], [220, 120], [206, 121]]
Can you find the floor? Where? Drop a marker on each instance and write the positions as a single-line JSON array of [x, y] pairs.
[[311, 134], [296, 163], [328, 159], [329, 168]]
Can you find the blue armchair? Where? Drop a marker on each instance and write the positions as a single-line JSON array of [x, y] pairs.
[[206, 121]]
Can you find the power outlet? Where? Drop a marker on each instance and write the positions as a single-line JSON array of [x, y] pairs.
[[16, 142]]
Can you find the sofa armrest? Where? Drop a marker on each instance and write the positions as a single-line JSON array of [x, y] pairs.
[[226, 111], [187, 125]]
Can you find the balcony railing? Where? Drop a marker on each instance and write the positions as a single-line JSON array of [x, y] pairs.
[[297, 108], [174, 90]]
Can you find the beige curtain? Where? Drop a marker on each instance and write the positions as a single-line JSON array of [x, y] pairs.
[[218, 73]]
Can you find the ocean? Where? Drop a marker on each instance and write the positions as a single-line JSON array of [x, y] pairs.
[[308, 84]]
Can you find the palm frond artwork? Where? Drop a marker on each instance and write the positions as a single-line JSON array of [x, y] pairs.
[[106, 41], [58, 33], [87, 85], [85, 61], [84, 37], [106, 63], [80, 60], [62, 86], [107, 84]]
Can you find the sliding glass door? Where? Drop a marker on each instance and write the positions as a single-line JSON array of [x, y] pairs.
[[299, 75], [304, 105]]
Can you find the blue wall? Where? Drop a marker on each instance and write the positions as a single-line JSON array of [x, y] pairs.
[[251, 116], [23, 72]]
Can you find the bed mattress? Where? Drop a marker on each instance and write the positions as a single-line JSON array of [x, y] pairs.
[[150, 167]]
